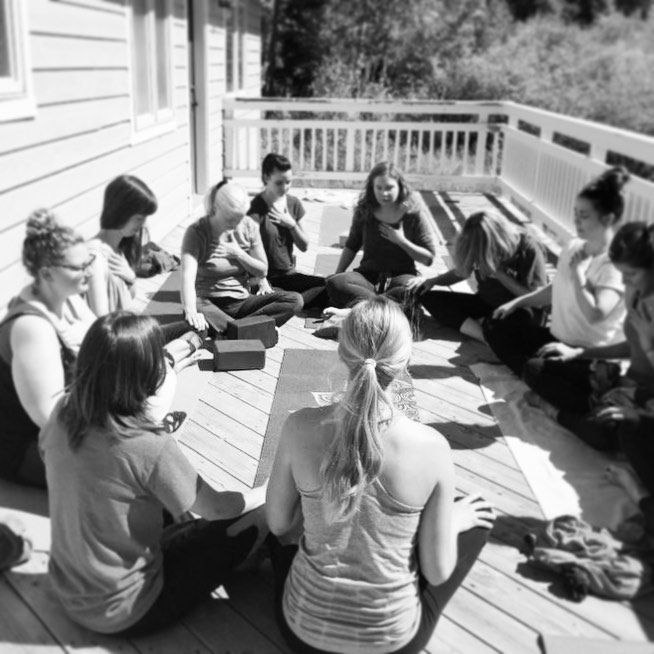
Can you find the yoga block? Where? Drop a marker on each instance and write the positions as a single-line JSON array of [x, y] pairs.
[[253, 328], [238, 355]]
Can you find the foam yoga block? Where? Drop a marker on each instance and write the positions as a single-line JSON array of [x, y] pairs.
[[238, 355], [253, 328]]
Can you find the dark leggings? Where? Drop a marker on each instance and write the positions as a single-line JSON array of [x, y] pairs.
[[452, 309], [220, 311], [345, 289], [198, 556], [433, 599], [514, 342], [311, 287]]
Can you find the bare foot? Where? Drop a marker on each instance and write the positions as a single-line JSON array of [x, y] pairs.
[[534, 399], [625, 477]]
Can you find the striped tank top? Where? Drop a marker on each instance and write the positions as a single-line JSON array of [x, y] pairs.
[[353, 585]]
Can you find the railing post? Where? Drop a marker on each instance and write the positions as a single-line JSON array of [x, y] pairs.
[[480, 150], [228, 141], [349, 150]]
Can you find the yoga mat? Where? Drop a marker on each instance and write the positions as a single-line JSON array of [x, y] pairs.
[[166, 303], [566, 475], [311, 378], [334, 221]]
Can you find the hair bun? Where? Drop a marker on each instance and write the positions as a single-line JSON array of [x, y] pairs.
[[41, 222], [614, 179]]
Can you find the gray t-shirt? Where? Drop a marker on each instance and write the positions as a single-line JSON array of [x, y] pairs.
[[106, 501], [220, 276]]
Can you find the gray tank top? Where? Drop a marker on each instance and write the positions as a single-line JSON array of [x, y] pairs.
[[353, 586]]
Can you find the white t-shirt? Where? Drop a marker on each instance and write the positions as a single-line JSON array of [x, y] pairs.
[[569, 325]]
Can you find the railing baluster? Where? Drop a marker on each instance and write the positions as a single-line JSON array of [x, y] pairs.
[[301, 148], [386, 130], [313, 149], [466, 143], [421, 134], [324, 149], [407, 156]]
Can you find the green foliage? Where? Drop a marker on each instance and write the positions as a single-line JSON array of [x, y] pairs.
[[579, 57], [601, 73]]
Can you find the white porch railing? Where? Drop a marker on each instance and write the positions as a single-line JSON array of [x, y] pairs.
[[440, 145]]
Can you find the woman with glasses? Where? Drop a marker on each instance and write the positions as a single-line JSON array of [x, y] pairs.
[[39, 340]]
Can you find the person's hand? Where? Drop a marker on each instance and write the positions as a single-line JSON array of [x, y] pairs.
[[229, 248], [391, 234], [419, 285], [190, 359], [559, 352], [281, 217], [473, 511], [264, 287], [575, 264], [505, 309], [618, 413], [196, 320]]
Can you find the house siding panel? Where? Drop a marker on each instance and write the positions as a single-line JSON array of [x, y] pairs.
[[82, 135]]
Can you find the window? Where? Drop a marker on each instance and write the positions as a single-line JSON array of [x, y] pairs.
[[152, 84], [234, 21], [16, 100]]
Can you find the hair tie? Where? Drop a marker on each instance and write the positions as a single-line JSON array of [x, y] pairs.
[[370, 362]]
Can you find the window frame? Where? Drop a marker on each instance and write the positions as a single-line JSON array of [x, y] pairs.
[[16, 91], [159, 120], [234, 14]]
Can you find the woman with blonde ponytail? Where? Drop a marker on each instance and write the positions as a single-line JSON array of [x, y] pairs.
[[383, 544]]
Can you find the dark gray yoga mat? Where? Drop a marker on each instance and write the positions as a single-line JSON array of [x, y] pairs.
[[310, 378]]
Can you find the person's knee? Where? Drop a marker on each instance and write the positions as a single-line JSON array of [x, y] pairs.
[[294, 300]]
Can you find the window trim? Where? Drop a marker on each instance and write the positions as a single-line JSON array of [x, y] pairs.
[[17, 93], [237, 10], [161, 121]]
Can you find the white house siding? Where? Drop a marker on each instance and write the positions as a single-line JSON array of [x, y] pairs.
[[82, 134]]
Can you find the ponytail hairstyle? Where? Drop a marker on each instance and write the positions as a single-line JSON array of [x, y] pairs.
[[485, 242], [226, 197], [368, 202], [46, 241], [127, 196], [120, 365], [605, 194], [375, 344], [633, 245]]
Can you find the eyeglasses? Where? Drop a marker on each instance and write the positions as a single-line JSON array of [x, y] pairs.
[[80, 268]]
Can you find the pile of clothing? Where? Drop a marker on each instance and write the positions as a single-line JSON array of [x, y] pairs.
[[593, 560]]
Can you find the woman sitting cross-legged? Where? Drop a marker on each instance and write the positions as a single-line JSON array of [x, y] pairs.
[[586, 294], [220, 253], [39, 339], [506, 263], [111, 471], [392, 225], [586, 393], [384, 544], [128, 202]]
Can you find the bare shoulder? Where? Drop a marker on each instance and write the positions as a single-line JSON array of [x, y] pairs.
[[416, 446]]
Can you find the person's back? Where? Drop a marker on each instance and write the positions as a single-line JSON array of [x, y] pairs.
[[373, 493], [356, 580]]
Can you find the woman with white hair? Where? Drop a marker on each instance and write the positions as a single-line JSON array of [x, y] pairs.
[[221, 252]]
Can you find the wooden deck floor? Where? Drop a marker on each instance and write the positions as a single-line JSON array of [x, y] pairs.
[[503, 604]]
